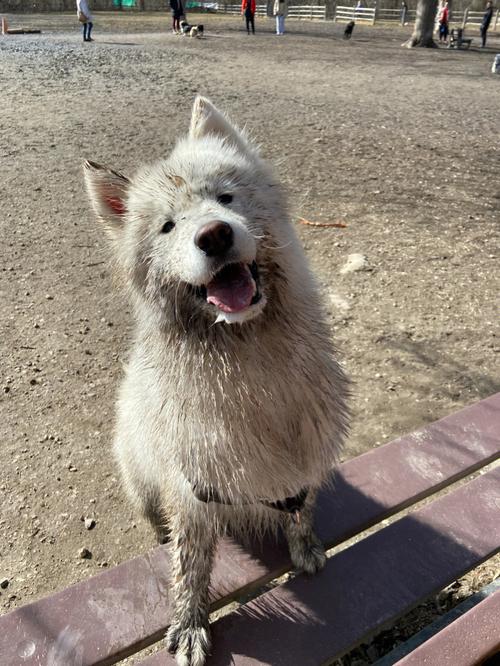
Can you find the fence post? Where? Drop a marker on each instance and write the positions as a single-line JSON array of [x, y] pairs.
[[374, 12], [496, 19], [404, 9], [334, 17], [466, 16]]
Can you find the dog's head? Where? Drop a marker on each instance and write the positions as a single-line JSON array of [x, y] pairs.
[[203, 235]]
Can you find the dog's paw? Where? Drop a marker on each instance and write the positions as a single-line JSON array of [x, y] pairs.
[[191, 644], [308, 554]]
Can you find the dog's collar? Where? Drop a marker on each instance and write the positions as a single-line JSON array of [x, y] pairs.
[[292, 505]]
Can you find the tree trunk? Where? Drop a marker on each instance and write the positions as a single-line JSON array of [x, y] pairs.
[[424, 25]]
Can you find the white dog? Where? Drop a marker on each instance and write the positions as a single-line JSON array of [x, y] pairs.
[[233, 408]]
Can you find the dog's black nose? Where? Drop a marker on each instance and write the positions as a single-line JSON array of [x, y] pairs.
[[214, 238]]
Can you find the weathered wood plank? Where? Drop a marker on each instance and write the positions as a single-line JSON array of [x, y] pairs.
[[311, 620], [443, 621], [469, 640], [126, 608], [389, 478]]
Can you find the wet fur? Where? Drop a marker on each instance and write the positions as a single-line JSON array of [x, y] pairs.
[[257, 410]]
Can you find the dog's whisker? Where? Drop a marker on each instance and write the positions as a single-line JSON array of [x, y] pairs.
[[277, 247]]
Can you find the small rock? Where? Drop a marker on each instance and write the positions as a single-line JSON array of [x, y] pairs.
[[4, 583], [89, 523], [355, 262], [84, 554]]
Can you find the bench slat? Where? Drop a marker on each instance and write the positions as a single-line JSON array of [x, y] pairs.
[[385, 480], [314, 619], [431, 630], [126, 608], [468, 640]]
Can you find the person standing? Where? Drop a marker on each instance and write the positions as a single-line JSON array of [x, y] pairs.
[[404, 12], [281, 12], [85, 17], [248, 8], [444, 19], [177, 11], [485, 23]]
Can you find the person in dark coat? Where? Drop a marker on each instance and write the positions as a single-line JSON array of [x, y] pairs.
[[485, 23], [177, 10]]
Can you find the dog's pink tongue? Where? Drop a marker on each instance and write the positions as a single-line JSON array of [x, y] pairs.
[[232, 289]]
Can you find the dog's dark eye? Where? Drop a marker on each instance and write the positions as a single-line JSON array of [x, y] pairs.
[[225, 199], [168, 226]]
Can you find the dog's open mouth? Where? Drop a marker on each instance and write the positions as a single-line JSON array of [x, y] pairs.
[[234, 288]]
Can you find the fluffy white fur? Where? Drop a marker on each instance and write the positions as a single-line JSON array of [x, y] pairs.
[[254, 409]]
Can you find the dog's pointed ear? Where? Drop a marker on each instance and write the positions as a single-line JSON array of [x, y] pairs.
[[207, 119], [108, 192]]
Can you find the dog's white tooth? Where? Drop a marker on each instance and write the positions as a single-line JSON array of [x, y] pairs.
[[220, 317]]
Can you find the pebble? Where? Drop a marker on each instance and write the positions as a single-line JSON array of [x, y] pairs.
[[89, 523], [355, 262], [4, 583], [84, 554]]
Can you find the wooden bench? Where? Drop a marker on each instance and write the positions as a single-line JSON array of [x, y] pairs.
[[308, 621], [457, 39]]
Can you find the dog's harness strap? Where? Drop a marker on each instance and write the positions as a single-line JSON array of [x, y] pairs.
[[291, 505]]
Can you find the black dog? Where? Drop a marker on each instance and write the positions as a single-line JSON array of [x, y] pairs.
[[348, 30]]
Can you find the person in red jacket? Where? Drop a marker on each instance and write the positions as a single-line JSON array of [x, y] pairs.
[[444, 19], [248, 11]]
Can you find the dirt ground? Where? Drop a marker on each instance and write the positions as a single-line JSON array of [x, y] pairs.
[[402, 146]]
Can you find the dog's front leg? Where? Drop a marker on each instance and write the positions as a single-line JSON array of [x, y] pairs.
[[306, 550], [193, 540]]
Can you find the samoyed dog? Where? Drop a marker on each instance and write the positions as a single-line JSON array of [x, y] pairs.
[[233, 409]]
